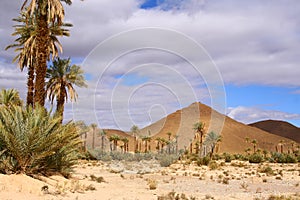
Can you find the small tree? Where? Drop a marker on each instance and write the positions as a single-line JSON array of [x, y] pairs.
[[212, 140], [254, 143], [199, 128]]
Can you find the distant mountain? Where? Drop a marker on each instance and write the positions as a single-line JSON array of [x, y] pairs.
[[180, 124], [233, 133], [281, 128]]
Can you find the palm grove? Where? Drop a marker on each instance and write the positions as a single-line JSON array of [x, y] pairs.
[[32, 140]]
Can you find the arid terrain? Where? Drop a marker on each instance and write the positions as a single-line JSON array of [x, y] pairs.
[[281, 128], [128, 180]]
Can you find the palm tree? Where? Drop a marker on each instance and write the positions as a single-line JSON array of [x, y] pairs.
[[125, 143], [281, 143], [94, 127], [45, 13], [61, 79], [114, 139], [146, 139], [82, 129], [25, 44], [254, 143], [158, 140], [199, 128], [10, 97], [169, 141], [163, 142], [134, 131], [212, 139], [102, 134]]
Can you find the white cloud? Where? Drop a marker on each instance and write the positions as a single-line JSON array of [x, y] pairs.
[[253, 114], [252, 42]]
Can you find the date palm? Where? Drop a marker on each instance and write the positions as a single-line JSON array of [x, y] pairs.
[[114, 139], [212, 140], [45, 12], [25, 44], [199, 128], [103, 135], [94, 128], [135, 131], [62, 77], [10, 97]]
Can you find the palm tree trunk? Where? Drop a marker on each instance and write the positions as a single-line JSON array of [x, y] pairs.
[[93, 139], [30, 86], [42, 57], [102, 143], [61, 102]]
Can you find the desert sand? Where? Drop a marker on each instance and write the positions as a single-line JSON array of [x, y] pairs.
[[117, 180]]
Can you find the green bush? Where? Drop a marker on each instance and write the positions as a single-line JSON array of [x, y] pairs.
[[217, 157], [203, 161], [165, 160], [256, 158], [277, 158], [283, 158], [228, 157], [33, 141], [290, 158], [240, 157], [267, 170]]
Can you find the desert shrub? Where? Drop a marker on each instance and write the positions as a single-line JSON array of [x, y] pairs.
[[99, 179], [290, 158], [165, 160], [193, 157], [256, 158], [203, 161], [213, 165], [240, 157], [228, 157], [147, 156], [283, 158], [277, 157], [106, 158], [33, 141], [216, 157], [152, 183], [267, 170]]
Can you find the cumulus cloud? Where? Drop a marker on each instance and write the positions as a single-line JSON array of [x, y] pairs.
[[252, 42], [253, 114]]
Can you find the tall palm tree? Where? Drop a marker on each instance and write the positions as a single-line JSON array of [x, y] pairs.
[[135, 131], [25, 44], [94, 127], [147, 140], [61, 78], [199, 128], [163, 142], [212, 139], [82, 130], [125, 141], [158, 140], [114, 139], [10, 97], [46, 13], [103, 135], [169, 141]]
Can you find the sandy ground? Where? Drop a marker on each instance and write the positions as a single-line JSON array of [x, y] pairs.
[[98, 180]]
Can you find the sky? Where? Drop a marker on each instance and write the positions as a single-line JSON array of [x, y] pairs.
[[146, 59]]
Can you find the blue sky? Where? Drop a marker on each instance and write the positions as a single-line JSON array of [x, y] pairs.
[[254, 44]]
